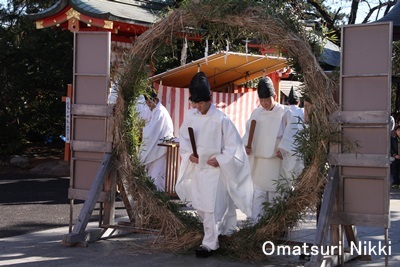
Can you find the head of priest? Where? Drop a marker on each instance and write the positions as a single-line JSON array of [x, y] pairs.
[[293, 98], [151, 98], [266, 93], [200, 93]]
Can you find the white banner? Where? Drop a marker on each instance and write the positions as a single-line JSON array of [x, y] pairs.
[[67, 119]]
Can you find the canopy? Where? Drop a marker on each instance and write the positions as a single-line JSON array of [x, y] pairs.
[[223, 70]]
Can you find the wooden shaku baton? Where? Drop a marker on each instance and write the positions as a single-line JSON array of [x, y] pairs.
[[193, 141], [251, 134]]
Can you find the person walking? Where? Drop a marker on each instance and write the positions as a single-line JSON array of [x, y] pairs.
[[292, 162], [293, 102], [265, 158], [214, 176]]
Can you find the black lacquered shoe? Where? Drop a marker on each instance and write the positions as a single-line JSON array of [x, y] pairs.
[[203, 252]]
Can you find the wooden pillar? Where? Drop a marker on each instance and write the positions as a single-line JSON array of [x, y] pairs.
[[275, 80], [109, 204]]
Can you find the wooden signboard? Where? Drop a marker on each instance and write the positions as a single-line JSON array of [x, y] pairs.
[[91, 125], [365, 90], [357, 192]]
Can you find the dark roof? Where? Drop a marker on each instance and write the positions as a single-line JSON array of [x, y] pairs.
[[330, 55], [129, 11], [394, 16]]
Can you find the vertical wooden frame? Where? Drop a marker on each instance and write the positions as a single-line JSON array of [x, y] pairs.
[[91, 124], [365, 90]]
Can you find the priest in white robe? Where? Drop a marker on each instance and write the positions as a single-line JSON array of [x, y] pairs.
[[159, 126], [142, 109], [293, 102], [217, 179], [265, 158], [292, 162]]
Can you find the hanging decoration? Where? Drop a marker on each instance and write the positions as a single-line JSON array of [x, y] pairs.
[[206, 52], [247, 49], [227, 50], [184, 52]]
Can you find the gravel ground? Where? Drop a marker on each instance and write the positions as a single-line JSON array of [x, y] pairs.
[[36, 198]]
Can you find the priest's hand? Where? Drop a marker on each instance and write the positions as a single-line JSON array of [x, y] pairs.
[[279, 154], [213, 162], [194, 159], [248, 150]]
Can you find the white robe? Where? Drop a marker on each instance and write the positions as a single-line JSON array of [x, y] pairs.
[[266, 167], [292, 163], [270, 127], [113, 94], [142, 108], [153, 156], [208, 188]]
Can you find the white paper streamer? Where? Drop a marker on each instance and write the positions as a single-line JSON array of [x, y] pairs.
[[206, 52], [227, 50], [247, 49], [184, 52]]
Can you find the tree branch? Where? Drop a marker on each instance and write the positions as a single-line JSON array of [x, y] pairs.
[[388, 5], [330, 22], [353, 11]]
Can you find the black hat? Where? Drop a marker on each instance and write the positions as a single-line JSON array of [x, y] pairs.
[[151, 94], [199, 88], [265, 88], [293, 99]]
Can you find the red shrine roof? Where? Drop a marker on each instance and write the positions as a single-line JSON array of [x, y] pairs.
[[126, 19]]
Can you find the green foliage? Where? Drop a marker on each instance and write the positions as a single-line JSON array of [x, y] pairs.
[[35, 68], [135, 124], [396, 72], [396, 58], [307, 141], [134, 81]]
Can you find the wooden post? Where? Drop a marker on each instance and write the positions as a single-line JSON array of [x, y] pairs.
[[127, 198], [109, 205], [325, 215], [78, 234]]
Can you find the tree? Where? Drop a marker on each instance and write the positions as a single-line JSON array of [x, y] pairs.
[[35, 68], [333, 14]]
